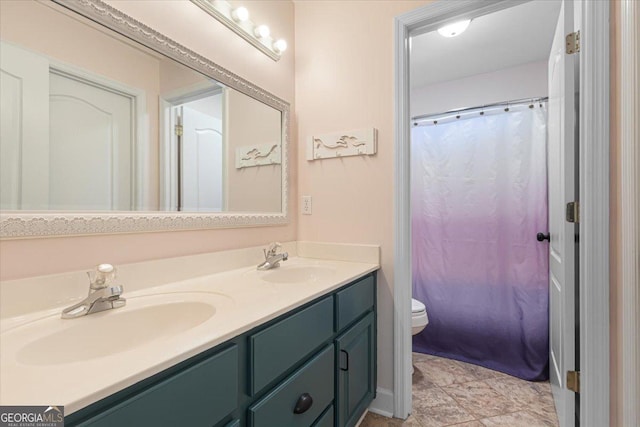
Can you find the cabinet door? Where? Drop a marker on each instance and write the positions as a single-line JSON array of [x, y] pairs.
[[356, 368]]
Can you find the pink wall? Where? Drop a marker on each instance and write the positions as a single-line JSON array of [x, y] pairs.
[[344, 81], [203, 34]]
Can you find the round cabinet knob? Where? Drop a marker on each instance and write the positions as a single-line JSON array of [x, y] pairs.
[[303, 404], [541, 237]]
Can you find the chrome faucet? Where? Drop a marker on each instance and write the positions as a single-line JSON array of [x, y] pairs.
[[272, 258], [101, 296]]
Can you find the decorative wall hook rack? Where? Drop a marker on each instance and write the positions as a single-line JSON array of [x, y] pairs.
[[362, 142]]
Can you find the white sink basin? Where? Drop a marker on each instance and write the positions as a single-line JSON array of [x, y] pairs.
[[142, 320], [298, 274]]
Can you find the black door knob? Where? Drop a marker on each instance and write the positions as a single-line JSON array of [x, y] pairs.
[[542, 237], [303, 404]]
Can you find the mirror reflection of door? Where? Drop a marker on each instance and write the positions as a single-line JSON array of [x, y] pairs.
[[201, 154], [194, 177], [68, 142], [91, 142]]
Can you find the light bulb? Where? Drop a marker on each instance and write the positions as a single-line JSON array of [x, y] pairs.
[[240, 14], [280, 45], [262, 31], [455, 29]]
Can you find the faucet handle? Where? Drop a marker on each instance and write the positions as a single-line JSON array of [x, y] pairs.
[[105, 268], [103, 273]]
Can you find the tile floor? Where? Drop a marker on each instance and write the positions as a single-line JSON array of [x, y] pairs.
[[451, 393]]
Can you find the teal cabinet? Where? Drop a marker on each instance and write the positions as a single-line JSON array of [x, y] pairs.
[[312, 367], [201, 395], [355, 351]]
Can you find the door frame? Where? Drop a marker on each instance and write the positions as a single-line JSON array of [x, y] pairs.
[[593, 21], [629, 159]]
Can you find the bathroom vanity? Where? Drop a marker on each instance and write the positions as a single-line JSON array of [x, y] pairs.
[[292, 346], [312, 366]]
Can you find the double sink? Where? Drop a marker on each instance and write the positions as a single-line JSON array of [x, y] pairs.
[[176, 308]]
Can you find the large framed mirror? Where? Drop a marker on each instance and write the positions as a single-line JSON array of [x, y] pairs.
[[109, 126]]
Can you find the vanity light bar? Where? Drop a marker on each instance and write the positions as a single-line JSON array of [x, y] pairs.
[[238, 21]]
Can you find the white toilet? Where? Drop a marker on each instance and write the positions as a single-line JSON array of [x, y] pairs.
[[419, 317]]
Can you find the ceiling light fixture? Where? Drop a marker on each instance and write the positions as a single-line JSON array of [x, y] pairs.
[[237, 20], [454, 29]]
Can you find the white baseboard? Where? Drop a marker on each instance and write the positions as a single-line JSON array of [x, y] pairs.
[[383, 403]]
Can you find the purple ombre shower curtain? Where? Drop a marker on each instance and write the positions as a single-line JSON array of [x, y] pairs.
[[478, 198]]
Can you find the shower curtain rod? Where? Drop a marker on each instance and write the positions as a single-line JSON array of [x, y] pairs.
[[481, 107]]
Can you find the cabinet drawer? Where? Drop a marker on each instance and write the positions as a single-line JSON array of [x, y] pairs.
[[315, 378], [326, 419], [277, 348], [354, 301], [201, 395]]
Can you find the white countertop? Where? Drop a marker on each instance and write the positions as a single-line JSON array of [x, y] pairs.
[[242, 300]]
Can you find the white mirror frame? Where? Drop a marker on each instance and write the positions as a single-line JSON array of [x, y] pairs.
[[42, 223]]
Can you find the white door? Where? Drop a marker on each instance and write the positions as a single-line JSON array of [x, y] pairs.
[[65, 143], [91, 145], [562, 189], [201, 162], [24, 129]]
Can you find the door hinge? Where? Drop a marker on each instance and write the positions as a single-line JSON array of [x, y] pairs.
[[179, 130], [573, 212], [573, 42], [573, 381]]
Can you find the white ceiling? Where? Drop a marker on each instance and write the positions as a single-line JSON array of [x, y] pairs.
[[503, 39]]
